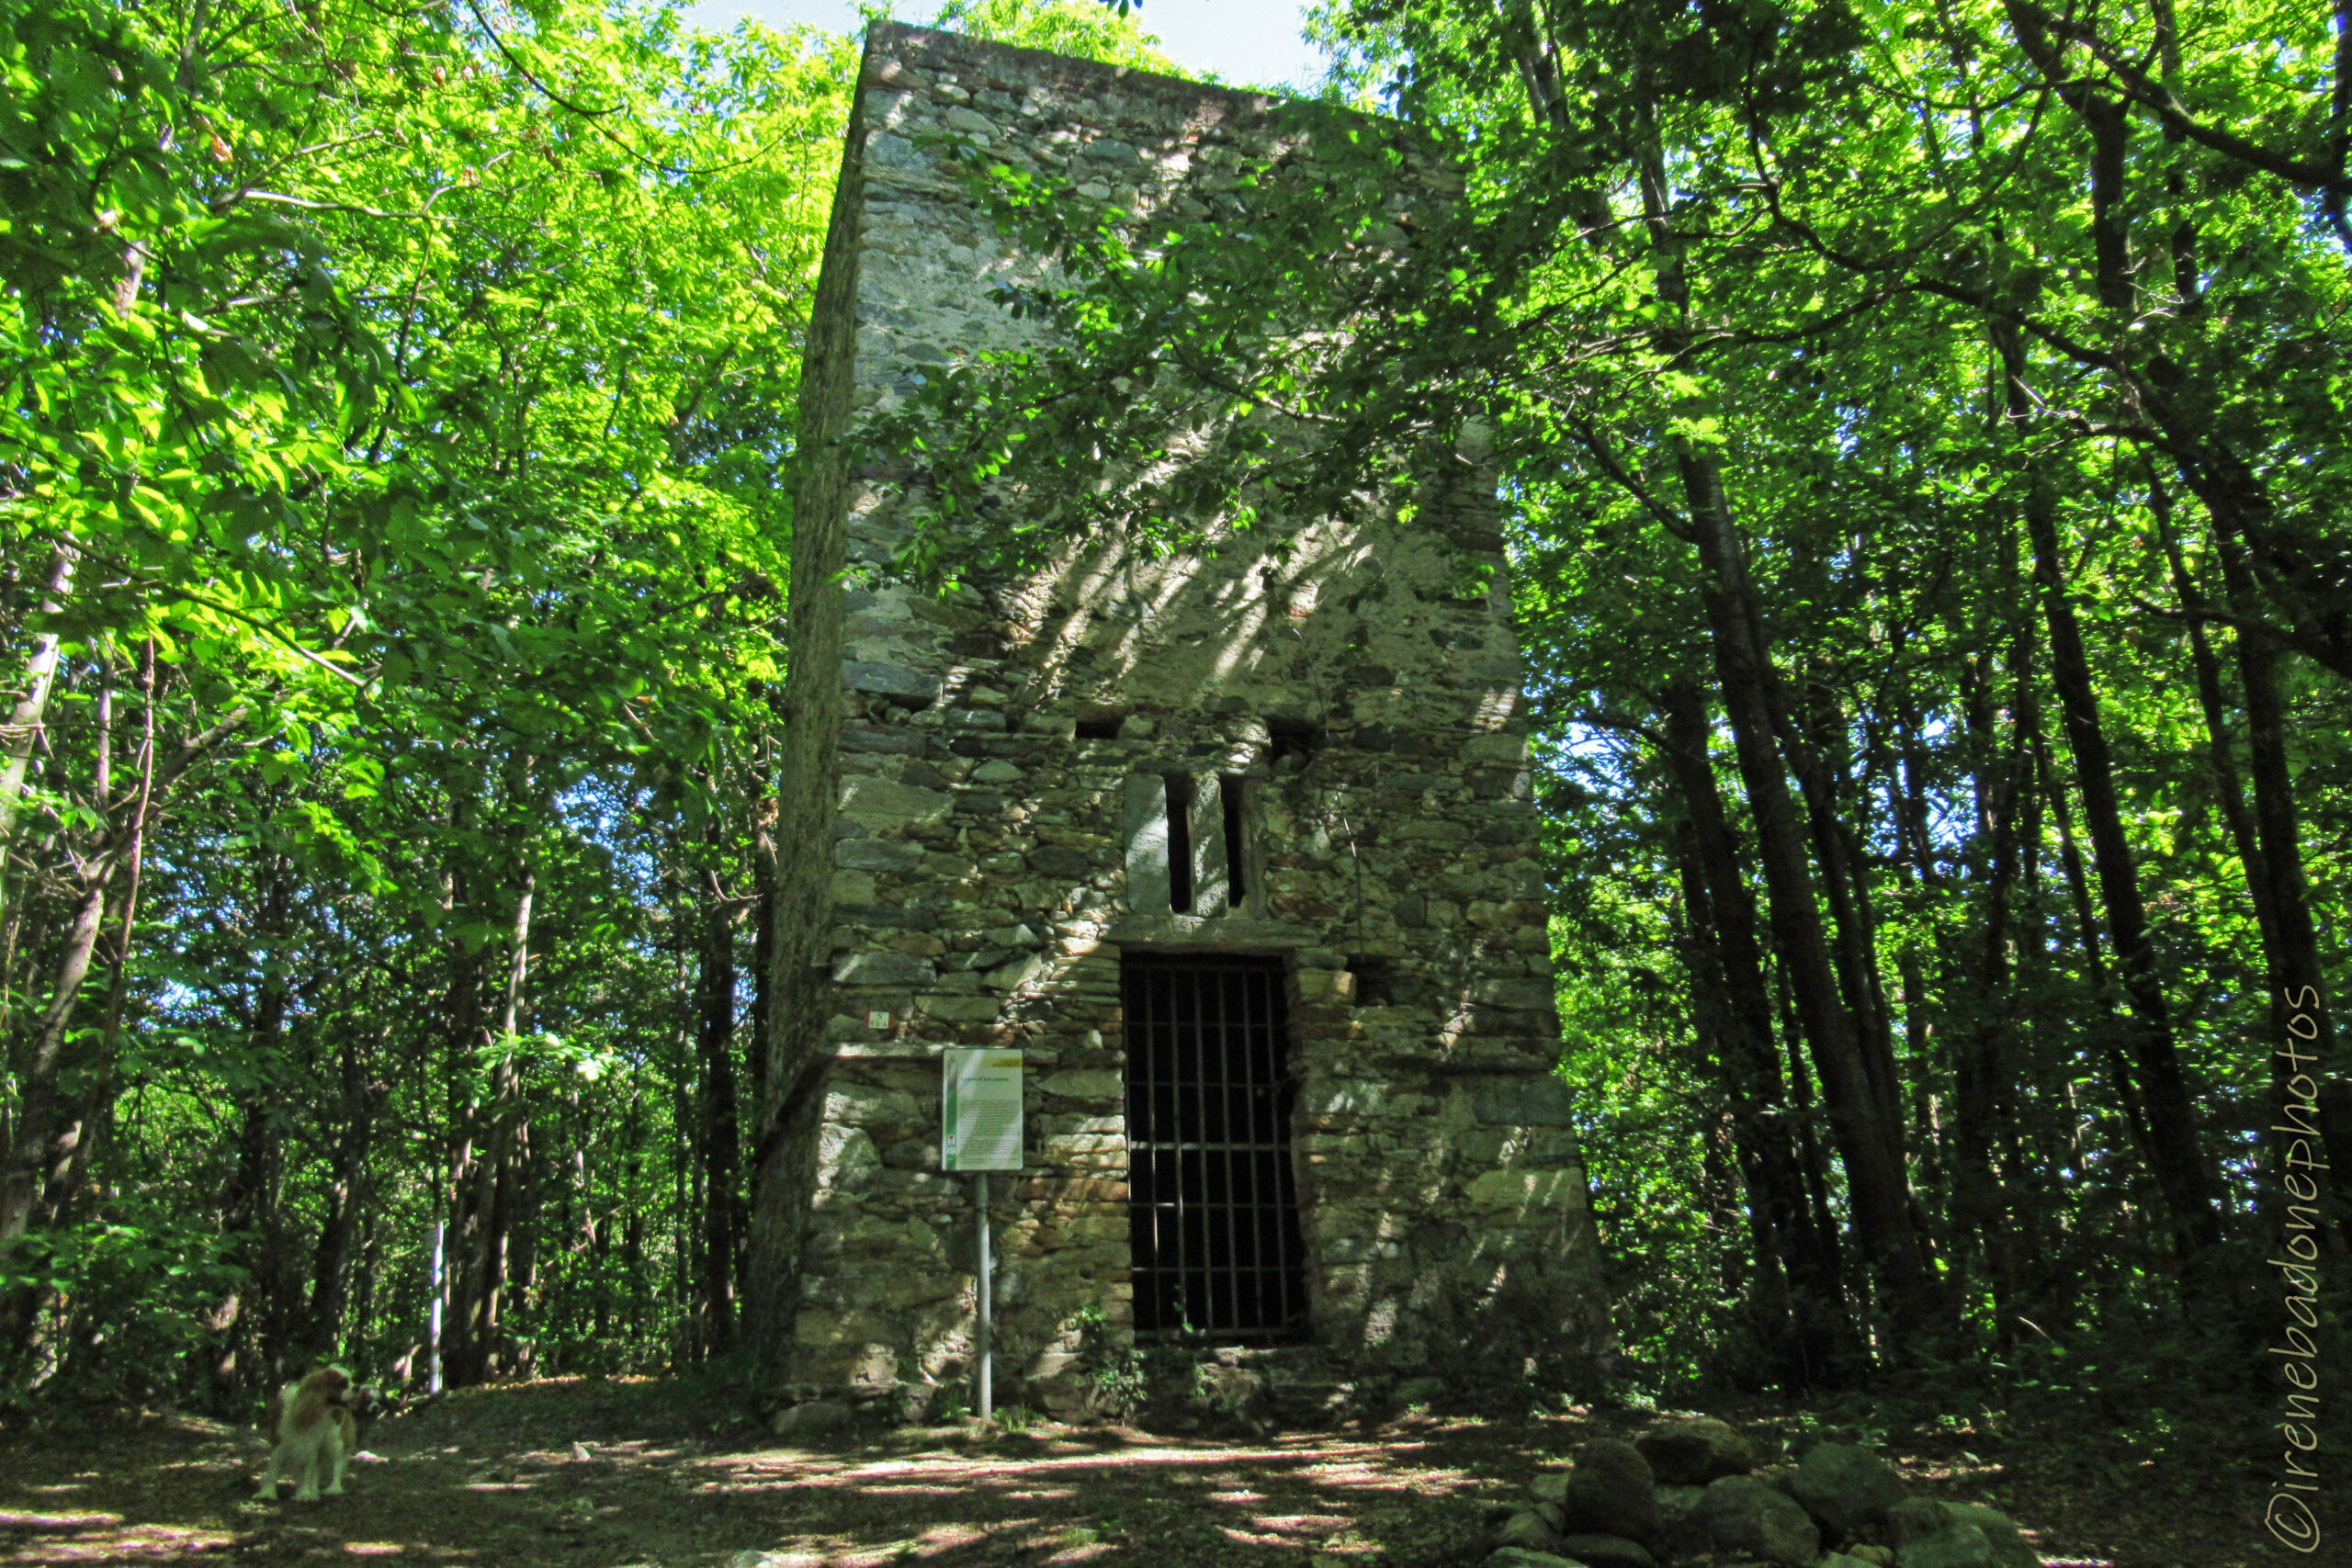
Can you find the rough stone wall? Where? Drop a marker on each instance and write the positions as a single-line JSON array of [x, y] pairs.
[[990, 866]]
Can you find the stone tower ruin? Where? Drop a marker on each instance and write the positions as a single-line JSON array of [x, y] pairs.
[[1242, 858]]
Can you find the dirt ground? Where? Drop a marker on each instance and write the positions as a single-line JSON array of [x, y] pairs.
[[638, 1474]]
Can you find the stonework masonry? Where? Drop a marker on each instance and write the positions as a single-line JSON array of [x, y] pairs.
[[1335, 727]]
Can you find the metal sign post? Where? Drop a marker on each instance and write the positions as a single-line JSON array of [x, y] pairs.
[[980, 1123]]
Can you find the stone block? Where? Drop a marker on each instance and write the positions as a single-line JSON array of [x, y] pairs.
[[889, 680], [951, 1009], [1096, 1083], [1021, 974], [1524, 1102], [1511, 991], [886, 803], [1528, 1190], [1054, 861], [864, 1105], [882, 969], [876, 855]]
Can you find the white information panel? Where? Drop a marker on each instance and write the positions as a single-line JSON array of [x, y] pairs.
[[980, 1108]]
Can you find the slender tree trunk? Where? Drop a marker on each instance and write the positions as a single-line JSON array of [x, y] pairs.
[[252, 1322], [465, 1034], [722, 1221], [1981, 1062], [2304, 1065], [2102, 1031], [491, 1211], [1800, 1306], [2227, 790], [360, 1102], [26, 716], [1845, 888], [2183, 1171], [1870, 1150]]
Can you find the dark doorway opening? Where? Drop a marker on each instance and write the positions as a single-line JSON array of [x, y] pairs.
[[1212, 1206]]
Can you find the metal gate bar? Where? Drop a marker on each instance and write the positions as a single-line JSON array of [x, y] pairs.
[[1213, 1210]]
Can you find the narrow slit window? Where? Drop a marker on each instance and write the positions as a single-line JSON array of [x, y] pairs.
[[1236, 859], [1180, 843]]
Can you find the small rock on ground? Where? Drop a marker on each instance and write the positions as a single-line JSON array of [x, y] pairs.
[[1607, 1551], [1610, 1492], [1847, 1488], [1693, 1452], [1520, 1557], [1743, 1514]]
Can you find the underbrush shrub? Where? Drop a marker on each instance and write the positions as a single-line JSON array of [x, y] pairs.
[[118, 1310]]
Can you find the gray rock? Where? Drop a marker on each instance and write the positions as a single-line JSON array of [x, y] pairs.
[[1839, 1560], [1610, 1492], [1957, 1545], [889, 680], [1525, 1557], [874, 802], [1682, 1532], [1913, 1518], [1525, 1103], [882, 969], [1528, 1529], [2010, 1549], [1743, 1514], [1847, 1488], [1552, 1487], [810, 1420], [1692, 1453], [1055, 860], [1607, 1551], [876, 854]]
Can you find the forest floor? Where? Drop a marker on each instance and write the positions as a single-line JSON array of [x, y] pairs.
[[647, 1474]]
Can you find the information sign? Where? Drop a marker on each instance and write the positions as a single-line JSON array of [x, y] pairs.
[[980, 1109]]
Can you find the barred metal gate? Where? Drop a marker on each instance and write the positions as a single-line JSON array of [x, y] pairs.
[[1213, 1211]]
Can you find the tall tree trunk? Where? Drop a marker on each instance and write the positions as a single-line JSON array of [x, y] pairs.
[[722, 1223], [252, 1321], [1868, 1148], [360, 1101], [1981, 1062], [2182, 1170], [491, 1212], [465, 1034], [1800, 1305], [2102, 1032], [26, 716], [2301, 1020], [2228, 793]]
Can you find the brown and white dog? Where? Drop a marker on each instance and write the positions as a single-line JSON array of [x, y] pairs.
[[311, 1433]]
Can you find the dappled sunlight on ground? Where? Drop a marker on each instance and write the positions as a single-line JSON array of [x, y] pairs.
[[497, 1479]]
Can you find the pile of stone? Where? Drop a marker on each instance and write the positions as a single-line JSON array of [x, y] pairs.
[[1694, 1493]]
